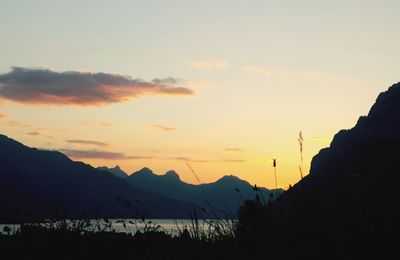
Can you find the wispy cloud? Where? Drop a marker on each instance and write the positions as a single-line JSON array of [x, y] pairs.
[[97, 154], [234, 160], [188, 159], [209, 64], [234, 149], [106, 124], [100, 154], [44, 86], [164, 128], [86, 142], [34, 133], [283, 72], [257, 70], [14, 123], [93, 123], [302, 73], [321, 139], [86, 123], [2, 116]]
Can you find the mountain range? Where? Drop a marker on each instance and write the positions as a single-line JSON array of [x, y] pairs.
[[37, 184], [224, 196]]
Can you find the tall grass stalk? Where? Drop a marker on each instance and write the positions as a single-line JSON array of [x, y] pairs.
[[300, 139], [276, 180]]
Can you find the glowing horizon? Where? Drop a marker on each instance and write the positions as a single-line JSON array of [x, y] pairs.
[[224, 86]]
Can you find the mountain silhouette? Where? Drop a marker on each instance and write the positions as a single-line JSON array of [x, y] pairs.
[[116, 171], [41, 184], [219, 198], [360, 161], [347, 206]]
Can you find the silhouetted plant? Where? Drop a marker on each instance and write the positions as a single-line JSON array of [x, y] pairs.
[[301, 140]]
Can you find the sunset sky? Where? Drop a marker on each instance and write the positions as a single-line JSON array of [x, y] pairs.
[[224, 86]]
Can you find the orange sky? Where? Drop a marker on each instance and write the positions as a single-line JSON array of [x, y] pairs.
[[223, 86]]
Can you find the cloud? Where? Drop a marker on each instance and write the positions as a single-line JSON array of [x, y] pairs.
[[86, 142], [13, 123], [167, 81], [90, 123], [257, 70], [321, 139], [232, 149], [99, 154], [96, 154], [235, 160], [34, 133], [187, 159], [303, 74], [106, 124], [44, 86], [86, 123], [164, 128], [209, 64], [284, 72]]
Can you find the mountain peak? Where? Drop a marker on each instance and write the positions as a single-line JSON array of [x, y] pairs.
[[386, 110], [116, 171], [229, 178], [382, 121], [145, 171], [172, 175], [387, 107], [378, 131]]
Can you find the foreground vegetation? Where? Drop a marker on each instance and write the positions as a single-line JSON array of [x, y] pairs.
[[73, 239], [264, 230]]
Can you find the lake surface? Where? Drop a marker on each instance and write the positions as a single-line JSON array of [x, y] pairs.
[[170, 226]]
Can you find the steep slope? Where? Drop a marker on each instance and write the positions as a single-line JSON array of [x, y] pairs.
[[221, 197], [35, 183], [347, 206], [361, 162]]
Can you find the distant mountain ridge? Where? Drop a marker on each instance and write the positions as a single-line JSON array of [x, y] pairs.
[[36, 183], [221, 197]]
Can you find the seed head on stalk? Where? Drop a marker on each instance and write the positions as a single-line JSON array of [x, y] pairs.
[[300, 139]]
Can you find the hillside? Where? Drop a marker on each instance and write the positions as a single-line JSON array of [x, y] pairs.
[[346, 207]]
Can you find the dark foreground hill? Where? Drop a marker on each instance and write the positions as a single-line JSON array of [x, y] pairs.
[[347, 206], [36, 183], [220, 198]]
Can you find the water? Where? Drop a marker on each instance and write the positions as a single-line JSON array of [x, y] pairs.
[[170, 226]]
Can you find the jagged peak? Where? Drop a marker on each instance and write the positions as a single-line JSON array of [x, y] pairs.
[[145, 171], [386, 102]]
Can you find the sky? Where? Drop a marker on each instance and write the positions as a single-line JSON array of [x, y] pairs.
[[221, 86]]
